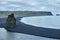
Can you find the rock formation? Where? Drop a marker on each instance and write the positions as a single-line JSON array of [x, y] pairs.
[[11, 21]]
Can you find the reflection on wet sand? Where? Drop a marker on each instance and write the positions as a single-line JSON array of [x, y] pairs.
[[10, 36], [5, 35]]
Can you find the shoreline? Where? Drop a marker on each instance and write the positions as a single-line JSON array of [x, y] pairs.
[[32, 30]]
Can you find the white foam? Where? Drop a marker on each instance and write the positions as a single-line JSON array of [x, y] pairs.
[[43, 21]]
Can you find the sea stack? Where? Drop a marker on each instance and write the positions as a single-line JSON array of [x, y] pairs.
[[10, 22]]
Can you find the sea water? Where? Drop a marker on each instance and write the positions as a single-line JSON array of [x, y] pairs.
[[43, 21]]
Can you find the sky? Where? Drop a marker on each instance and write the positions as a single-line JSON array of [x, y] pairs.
[[30, 5]]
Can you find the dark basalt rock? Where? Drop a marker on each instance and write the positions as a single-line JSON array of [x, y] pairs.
[[57, 14], [10, 22]]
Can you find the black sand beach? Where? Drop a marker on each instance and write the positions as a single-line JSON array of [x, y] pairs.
[[32, 30]]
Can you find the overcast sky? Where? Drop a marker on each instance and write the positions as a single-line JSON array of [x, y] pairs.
[[31, 5]]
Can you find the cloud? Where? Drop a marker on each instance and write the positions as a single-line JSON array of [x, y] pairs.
[[3, 2], [33, 5], [43, 8]]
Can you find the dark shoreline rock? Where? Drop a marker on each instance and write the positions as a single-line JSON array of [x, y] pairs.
[[11, 21]]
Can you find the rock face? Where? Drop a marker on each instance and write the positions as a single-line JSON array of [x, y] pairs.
[[57, 14], [11, 21]]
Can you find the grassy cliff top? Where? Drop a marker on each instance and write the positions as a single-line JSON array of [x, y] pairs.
[[25, 13]]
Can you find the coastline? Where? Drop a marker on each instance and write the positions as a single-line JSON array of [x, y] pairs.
[[31, 30]]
